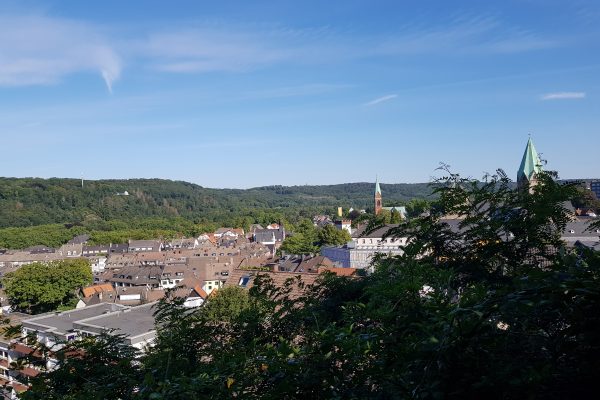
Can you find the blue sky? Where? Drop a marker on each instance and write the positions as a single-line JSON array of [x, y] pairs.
[[252, 93]]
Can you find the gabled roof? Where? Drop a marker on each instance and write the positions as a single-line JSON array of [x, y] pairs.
[[91, 290], [245, 279], [530, 164], [361, 232], [199, 291]]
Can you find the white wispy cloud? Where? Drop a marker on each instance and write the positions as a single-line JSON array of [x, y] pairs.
[[563, 96], [381, 99], [463, 35], [42, 50], [225, 48]]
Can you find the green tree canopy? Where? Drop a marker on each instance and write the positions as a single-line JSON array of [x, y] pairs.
[[586, 200], [41, 287], [395, 217], [330, 235]]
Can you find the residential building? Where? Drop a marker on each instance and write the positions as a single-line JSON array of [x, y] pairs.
[[364, 245], [71, 250], [136, 276], [98, 264], [12, 382], [91, 251], [182, 243], [229, 233], [144, 245], [79, 239], [344, 225], [15, 259]]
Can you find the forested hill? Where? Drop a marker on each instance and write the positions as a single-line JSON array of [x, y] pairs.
[[34, 201]]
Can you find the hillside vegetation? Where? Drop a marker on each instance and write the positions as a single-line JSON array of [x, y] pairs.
[[35, 211]]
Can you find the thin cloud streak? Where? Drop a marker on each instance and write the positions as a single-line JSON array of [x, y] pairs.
[[563, 96], [42, 50], [381, 100], [474, 35]]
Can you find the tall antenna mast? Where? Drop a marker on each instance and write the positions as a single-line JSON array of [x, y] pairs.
[[82, 180]]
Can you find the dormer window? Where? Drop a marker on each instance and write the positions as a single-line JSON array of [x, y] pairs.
[[244, 281]]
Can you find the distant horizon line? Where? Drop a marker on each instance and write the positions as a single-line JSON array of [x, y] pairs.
[[251, 187]]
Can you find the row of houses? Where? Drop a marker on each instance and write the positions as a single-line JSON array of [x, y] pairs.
[[131, 318]]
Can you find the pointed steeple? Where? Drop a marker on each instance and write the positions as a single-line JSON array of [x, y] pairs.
[[530, 164], [377, 197]]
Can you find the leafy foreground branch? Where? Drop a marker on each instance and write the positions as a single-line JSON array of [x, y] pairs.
[[494, 307]]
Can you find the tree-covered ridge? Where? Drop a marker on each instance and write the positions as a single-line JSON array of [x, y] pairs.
[[35, 201]]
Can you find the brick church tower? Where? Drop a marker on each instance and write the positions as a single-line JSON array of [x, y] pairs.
[[377, 197]]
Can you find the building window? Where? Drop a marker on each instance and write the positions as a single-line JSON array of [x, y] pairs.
[[244, 281]]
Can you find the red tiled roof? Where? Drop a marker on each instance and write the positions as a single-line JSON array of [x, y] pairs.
[[28, 371], [200, 291], [19, 387], [91, 290], [23, 349]]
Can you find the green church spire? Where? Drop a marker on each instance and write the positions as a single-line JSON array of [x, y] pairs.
[[377, 188], [530, 164]]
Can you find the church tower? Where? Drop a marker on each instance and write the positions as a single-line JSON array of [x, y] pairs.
[[530, 167], [377, 197]]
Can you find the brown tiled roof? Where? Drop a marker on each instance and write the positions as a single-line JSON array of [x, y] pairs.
[[313, 264], [28, 371], [154, 295], [19, 387], [279, 279], [338, 271]]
